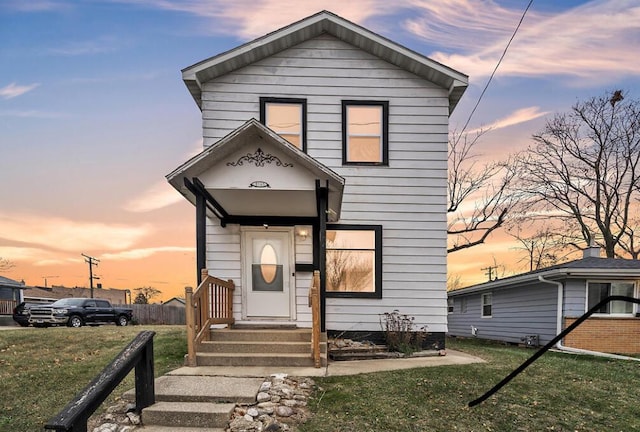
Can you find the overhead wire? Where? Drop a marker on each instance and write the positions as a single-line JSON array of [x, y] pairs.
[[495, 69]]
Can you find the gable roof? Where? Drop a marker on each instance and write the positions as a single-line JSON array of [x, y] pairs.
[[313, 26], [256, 134], [584, 267], [10, 283]]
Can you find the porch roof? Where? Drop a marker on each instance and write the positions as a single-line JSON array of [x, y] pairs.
[[254, 172]]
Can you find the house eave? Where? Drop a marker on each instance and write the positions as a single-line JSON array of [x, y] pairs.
[[325, 22], [554, 274]]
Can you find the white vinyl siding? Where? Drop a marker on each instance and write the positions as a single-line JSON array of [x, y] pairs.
[[407, 197]]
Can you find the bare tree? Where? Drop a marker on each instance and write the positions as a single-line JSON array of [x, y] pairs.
[[454, 282], [145, 294], [542, 249], [5, 264], [480, 197], [584, 171]]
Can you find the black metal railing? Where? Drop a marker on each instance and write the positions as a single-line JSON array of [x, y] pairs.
[[550, 345], [139, 355]]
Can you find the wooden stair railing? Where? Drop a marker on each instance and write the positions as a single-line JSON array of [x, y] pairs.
[[211, 303], [314, 303]]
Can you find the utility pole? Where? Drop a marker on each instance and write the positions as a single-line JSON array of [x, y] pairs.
[[489, 272], [92, 262], [45, 279]]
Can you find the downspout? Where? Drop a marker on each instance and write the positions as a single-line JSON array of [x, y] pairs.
[[559, 315]]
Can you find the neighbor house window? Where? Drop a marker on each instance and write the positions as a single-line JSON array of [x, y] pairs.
[[463, 305], [354, 261], [487, 301], [287, 117], [365, 132], [598, 291], [450, 305]]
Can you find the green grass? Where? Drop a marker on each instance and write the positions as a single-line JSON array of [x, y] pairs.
[[559, 392], [41, 370]]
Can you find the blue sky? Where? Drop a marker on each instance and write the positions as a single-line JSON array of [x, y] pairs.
[[93, 111]]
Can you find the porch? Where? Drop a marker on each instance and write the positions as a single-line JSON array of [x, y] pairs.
[[214, 339], [262, 208]]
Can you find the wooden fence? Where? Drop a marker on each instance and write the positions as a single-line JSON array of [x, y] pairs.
[[157, 314]]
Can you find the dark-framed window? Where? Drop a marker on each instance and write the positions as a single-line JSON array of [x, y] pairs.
[[365, 132], [354, 261], [287, 117], [487, 305], [598, 291]]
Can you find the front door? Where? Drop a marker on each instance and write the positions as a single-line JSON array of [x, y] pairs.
[[268, 274]]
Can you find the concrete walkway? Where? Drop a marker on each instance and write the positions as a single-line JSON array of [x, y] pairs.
[[334, 368]]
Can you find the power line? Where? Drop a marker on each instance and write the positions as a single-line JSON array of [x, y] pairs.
[[495, 69]]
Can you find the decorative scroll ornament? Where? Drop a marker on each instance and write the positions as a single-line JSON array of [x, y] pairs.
[[260, 185], [259, 158]]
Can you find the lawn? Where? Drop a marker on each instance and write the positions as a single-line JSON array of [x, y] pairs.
[[41, 370], [559, 392]]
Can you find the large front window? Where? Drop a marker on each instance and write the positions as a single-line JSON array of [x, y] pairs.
[[287, 118], [365, 130], [354, 261], [598, 291]]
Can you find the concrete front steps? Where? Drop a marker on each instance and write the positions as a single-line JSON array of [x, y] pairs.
[[259, 347], [196, 403]]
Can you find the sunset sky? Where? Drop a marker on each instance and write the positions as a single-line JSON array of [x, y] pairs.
[[94, 113]]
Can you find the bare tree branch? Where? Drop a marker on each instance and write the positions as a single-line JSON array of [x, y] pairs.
[[5, 264], [481, 197], [584, 168]]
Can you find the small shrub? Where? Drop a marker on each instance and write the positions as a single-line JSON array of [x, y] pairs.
[[399, 332]]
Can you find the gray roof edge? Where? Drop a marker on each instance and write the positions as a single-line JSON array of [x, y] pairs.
[[555, 272], [327, 22]]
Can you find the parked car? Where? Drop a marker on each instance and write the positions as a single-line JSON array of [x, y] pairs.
[[76, 312], [21, 313]]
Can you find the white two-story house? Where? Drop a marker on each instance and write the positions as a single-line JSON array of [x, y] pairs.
[[325, 148]]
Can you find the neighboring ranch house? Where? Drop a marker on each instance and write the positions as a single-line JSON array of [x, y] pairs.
[[536, 306], [325, 148], [10, 297]]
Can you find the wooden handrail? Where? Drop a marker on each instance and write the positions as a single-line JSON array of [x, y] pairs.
[[314, 303], [139, 355], [211, 303]]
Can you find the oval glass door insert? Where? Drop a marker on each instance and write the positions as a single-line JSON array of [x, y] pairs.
[[268, 263]]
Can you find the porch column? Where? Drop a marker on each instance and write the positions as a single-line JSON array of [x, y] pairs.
[[201, 235], [320, 247]]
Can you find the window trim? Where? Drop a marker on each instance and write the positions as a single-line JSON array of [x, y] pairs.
[[483, 304], [264, 100], [610, 281], [450, 305], [385, 131], [377, 294]]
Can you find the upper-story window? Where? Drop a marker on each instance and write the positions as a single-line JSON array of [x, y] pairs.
[[365, 132], [287, 117], [598, 291]]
